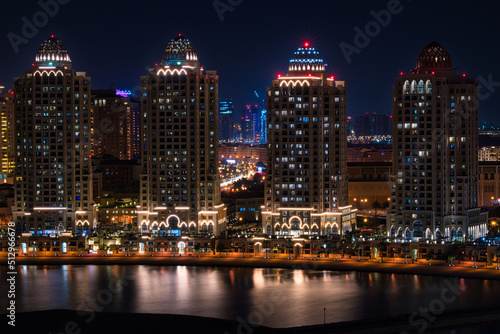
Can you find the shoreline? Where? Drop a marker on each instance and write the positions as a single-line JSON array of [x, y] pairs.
[[132, 322], [251, 262]]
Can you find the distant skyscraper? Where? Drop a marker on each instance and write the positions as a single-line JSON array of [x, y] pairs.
[[350, 126], [263, 124], [306, 187], [113, 124], [7, 142], [372, 124], [226, 121], [435, 159], [180, 186], [53, 188], [248, 129], [251, 133]]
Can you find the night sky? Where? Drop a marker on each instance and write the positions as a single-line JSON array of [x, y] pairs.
[[115, 41]]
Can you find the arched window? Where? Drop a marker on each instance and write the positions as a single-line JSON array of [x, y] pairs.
[[428, 87], [460, 234], [173, 222], [428, 234], [335, 229], [421, 87], [315, 230], [393, 231], [407, 234], [438, 234], [413, 86], [418, 229], [295, 223], [407, 87], [453, 234], [285, 230], [492, 176], [211, 228], [486, 176], [269, 229], [328, 230]]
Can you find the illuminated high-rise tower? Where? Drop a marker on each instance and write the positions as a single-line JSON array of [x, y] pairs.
[[53, 185], [7, 144], [435, 144], [180, 186], [226, 109], [306, 187]]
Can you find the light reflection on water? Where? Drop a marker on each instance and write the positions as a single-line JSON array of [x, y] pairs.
[[277, 297]]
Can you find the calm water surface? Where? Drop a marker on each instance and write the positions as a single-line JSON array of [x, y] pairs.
[[273, 297]]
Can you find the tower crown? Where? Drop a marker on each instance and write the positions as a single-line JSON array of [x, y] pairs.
[[306, 59], [433, 57], [52, 52], [179, 51]]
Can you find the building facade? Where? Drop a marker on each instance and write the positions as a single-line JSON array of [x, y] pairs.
[[53, 177], [113, 124], [306, 185], [180, 185], [7, 145], [435, 151], [226, 109]]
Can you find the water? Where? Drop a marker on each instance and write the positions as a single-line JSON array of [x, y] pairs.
[[272, 297]]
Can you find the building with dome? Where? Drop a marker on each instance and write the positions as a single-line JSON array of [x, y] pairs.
[[53, 176], [306, 184], [434, 189], [180, 185]]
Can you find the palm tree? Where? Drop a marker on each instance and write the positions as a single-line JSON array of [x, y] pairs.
[[406, 249], [220, 248], [475, 253], [428, 257], [496, 252], [452, 253], [382, 245]]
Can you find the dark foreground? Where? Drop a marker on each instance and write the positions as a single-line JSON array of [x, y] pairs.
[[72, 322]]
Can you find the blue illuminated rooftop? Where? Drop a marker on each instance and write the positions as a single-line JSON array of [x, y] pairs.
[[306, 58]]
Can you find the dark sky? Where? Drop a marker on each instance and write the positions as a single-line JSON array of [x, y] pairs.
[[115, 41]]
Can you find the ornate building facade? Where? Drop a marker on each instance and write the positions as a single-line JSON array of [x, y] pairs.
[[180, 185], [53, 177], [306, 184], [434, 188]]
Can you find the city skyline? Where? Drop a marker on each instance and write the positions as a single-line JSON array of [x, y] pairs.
[[236, 55], [235, 166]]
